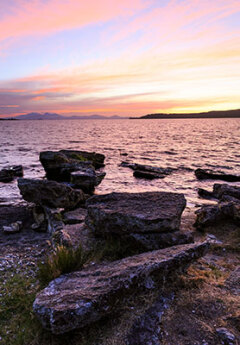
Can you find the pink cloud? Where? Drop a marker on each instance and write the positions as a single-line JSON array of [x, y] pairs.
[[38, 17]]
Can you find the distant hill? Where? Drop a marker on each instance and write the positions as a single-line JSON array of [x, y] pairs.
[[203, 115], [53, 116]]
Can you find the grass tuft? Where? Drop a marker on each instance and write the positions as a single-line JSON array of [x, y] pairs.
[[63, 260]]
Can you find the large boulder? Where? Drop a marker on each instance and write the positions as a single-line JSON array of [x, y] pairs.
[[222, 190], [80, 298], [59, 165], [122, 213], [50, 193], [204, 174]]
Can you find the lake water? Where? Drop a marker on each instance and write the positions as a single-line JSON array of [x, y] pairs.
[[183, 144]]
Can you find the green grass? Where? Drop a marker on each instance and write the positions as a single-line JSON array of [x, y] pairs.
[[62, 260], [18, 324]]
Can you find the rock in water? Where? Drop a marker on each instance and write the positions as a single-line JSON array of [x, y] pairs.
[[50, 193], [204, 174], [80, 298], [147, 171], [59, 165], [86, 179], [124, 213], [7, 174]]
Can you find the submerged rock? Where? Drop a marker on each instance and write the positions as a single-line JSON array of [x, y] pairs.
[[125, 213], [147, 171], [80, 298], [7, 174], [50, 193], [204, 174]]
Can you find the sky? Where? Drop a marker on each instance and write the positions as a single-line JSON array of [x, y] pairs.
[[111, 57]]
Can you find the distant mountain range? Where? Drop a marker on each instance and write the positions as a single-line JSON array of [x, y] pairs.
[[54, 116], [203, 115]]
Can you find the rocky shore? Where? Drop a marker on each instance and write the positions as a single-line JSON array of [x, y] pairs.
[[149, 269]]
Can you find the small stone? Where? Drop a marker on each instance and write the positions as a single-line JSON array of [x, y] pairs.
[[13, 228], [227, 337]]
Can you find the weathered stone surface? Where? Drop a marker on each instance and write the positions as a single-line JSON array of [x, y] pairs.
[[156, 241], [75, 217], [87, 179], [146, 329], [223, 190], [211, 215], [203, 193], [147, 171], [204, 174], [59, 165], [135, 212], [50, 193], [226, 337], [7, 174], [13, 228], [75, 235], [80, 298]]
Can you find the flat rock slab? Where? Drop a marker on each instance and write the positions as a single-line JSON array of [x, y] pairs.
[[205, 174], [124, 213], [50, 193], [75, 217], [81, 298]]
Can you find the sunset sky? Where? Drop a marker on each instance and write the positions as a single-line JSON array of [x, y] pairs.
[[128, 57]]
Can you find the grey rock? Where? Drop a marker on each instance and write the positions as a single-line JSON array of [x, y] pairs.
[[147, 171], [86, 179], [59, 165], [233, 281], [156, 241], [147, 327], [223, 190], [13, 228], [7, 174], [75, 217], [204, 174], [81, 298], [225, 336], [50, 193], [125, 213], [213, 214]]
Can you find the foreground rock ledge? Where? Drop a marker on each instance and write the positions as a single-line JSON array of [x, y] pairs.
[[80, 298], [147, 212]]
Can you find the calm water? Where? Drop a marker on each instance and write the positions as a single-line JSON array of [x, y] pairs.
[[181, 144]]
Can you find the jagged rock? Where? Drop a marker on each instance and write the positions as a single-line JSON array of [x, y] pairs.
[[156, 241], [125, 213], [81, 298], [87, 179], [13, 228], [40, 221], [75, 217], [212, 214], [147, 171], [223, 190], [54, 219], [59, 165], [146, 329], [204, 174], [226, 337], [7, 174], [50, 193]]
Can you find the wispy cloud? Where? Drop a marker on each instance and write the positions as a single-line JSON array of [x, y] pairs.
[[139, 56]]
